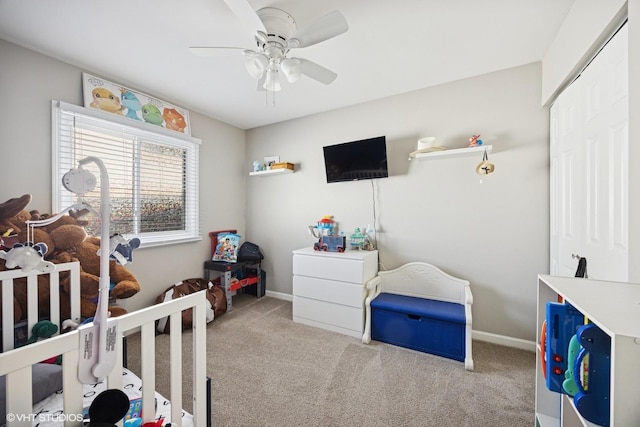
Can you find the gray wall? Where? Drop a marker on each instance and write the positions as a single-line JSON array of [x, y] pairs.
[[495, 234], [28, 83]]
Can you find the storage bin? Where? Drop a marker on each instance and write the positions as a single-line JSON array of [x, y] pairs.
[[435, 327]]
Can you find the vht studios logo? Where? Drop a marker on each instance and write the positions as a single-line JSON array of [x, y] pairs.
[[43, 417]]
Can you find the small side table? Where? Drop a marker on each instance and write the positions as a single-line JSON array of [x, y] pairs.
[[226, 269]]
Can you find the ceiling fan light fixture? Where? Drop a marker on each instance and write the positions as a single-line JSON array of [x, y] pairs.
[[261, 37], [256, 65], [291, 68], [272, 82], [293, 43]]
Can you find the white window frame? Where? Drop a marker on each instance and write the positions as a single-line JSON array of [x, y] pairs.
[[61, 163]]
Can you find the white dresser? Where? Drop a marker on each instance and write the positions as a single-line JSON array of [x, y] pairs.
[[328, 288]]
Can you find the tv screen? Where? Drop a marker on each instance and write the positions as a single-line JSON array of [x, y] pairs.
[[352, 161]]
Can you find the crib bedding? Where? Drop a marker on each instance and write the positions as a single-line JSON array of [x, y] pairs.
[[131, 385]]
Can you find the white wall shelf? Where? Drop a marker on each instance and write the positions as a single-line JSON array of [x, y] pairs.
[[270, 172], [454, 152]]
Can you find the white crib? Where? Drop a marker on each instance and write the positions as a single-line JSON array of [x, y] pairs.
[[16, 363]]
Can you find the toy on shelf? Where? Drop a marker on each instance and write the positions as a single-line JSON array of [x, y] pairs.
[[475, 141], [563, 321], [569, 385], [593, 404], [543, 349]]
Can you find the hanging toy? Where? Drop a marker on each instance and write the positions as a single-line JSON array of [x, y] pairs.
[[485, 167], [121, 249], [28, 256]]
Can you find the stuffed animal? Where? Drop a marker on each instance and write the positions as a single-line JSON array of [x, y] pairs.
[[13, 215], [109, 407], [65, 240], [73, 240], [42, 330]]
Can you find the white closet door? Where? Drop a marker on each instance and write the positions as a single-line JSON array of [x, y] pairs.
[[589, 168], [567, 170]]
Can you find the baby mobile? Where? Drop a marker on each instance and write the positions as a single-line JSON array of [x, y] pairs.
[[94, 365]]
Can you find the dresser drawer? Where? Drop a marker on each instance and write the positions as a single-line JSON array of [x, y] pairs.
[[337, 315], [350, 294], [332, 268]]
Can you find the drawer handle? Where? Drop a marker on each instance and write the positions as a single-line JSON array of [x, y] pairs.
[[413, 316]]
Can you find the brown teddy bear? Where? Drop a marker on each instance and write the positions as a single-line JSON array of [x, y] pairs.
[[76, 245], [13, 215], [66, 241]]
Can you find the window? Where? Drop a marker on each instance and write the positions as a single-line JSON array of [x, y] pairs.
[[153, 174]]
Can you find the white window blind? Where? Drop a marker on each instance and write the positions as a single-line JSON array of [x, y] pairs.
[[153, 174]]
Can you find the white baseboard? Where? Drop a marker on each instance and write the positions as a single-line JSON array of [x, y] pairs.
[[504, 340], [279, 295], [477, 335]]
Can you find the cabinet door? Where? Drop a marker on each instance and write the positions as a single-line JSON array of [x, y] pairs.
[[589, 168]]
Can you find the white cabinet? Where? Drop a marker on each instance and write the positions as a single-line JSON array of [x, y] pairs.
[[615, 308], [328, 288]]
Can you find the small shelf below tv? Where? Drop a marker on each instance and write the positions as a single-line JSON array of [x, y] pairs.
[[270, 172], [454, 152]]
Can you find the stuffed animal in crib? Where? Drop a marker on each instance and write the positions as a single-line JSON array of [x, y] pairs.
[[109, 407], [41, 331], [65, 240], [85, 250]]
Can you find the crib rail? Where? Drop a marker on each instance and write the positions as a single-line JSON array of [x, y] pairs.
[[8, 279], [16, 364]]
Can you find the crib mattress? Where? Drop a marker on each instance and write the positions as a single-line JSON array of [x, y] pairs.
[[132, 386]]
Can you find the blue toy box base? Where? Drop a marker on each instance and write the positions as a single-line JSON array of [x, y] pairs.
[[429, 326]]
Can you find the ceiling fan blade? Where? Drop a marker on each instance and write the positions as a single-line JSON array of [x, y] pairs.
[[323, 28], [214, 50], [245, 13], [316, 72]]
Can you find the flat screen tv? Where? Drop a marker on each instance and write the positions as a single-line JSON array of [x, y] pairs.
[[352, 161]]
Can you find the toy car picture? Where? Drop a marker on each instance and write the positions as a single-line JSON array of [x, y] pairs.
[[331, 244]]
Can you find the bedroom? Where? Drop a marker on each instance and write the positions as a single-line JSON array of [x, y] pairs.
[[494, 234]]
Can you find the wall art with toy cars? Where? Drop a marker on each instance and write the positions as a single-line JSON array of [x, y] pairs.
[[114, 98]]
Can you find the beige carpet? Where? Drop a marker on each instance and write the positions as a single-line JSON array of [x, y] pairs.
[[267, 370]]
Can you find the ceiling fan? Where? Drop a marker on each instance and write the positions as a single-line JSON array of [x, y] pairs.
[[276, 34]]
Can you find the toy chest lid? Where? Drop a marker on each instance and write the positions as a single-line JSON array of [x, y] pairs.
[[441, 310]]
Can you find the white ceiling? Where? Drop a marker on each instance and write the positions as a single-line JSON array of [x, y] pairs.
[[391, 47]]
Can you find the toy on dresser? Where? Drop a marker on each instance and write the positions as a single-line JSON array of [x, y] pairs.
[[326, 231]]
